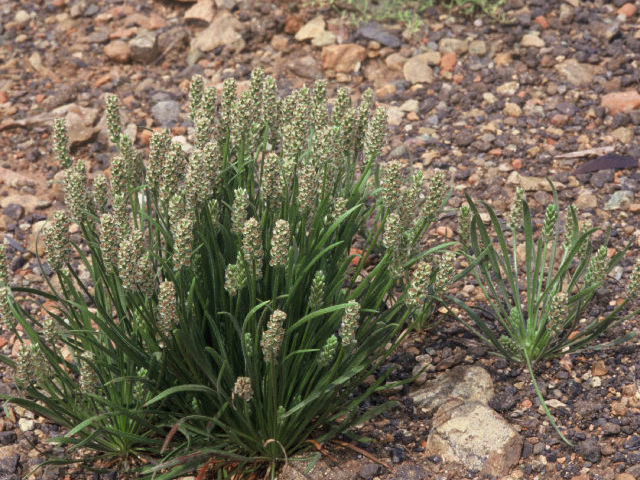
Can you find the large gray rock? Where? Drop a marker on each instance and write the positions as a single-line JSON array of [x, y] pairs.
[[166, 113], [468, 383], [144, 46], [577, 73], [473, 435]]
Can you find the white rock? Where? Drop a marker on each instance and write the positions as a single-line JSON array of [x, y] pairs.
[[204, 10], [26, 424]]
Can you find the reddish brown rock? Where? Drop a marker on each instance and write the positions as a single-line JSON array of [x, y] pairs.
[[542, 21], [628, 10], [343, 58], [447, 62], [616, 102]]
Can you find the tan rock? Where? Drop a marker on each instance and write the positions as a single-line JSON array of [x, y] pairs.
[[623, 134], [532, 40], [323, 39], [203, 10], [395, 61], [14, 179], [344, 58], [118, 51], [221, 32], [36, 242], [470, 383], [417, 69], [616, 102], [577, 73], [512, 109], [311, 29], [472, 434]]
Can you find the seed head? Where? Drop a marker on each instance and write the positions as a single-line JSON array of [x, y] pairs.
[[76, 191], [279, 244], [597, 267], [256, 87], [571, 228], [227, 105], [195, 97], [420, 281], [173, 172], [392, 237], [273, 336], [134, 263], [239, 209], [182, 239], [212, 157], [338, 209], [252, 245], [88, 379], [140, 386], [271, 181], [390, 180], [349, 325], [515, 216], [100, 193], [317, 292], [343, 103], [242, 388], [444, 275], [61, 143], [328, 352], [550, 217], [158, 150], [375, 135], [634, 281], [557, 313], [50, 330], [6, 315], [435, 197], [306, 186], [270, 107], [113, 118], [56, 241], [24, 373], [511, 347], [235, 276], [464, 225], [320, 114], [4, 266], [134, 166], [167, 310], [121, 213]]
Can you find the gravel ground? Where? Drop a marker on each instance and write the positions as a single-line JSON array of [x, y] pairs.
[[496, 105]]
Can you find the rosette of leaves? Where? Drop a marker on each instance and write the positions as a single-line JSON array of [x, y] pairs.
[[537, 297], [246, 284]]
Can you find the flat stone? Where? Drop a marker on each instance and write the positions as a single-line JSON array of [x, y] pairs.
[[80, 122], [475, 436], [532, 184], [27, 201], [202, 11], [166, 113], [144, 46], [586, 200], [395, 61], [14, 179], [417, 69], [221, 32], [577, 73], [375, 31], [323, 39], [118, 51], [531, 40], [226, 4], [394, 115], [619, 200], [456, 45], [469, 383], [623, 134], [616, 102], [410, 105], [311, 29], [305, 67], [344, 58], [478, 47]]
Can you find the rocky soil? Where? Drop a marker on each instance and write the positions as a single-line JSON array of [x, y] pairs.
[[552, 92]]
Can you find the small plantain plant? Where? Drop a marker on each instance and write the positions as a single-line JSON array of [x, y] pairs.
[[239, 290], [538, 301]]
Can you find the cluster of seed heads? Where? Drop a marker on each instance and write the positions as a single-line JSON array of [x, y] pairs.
[[349, 325], [242, 389]]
